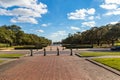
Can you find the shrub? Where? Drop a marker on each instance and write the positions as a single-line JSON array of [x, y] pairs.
[[75, 46], [28, 47], [3, 45]]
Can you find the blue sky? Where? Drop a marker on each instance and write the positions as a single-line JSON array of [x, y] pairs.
[[55, 19]]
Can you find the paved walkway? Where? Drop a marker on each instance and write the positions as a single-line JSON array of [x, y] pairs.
[[52, 67]]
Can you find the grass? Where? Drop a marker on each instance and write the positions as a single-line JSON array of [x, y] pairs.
[[117, 44], [2, 61], [111, 62], [4, 45], [10, 55], [95, 54]]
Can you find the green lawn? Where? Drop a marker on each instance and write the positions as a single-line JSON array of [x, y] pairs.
[[117, 44], [4, 45], [10, 55], [111, 62], [95, 54], [2, 61]]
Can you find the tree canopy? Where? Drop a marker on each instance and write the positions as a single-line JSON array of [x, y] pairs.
[[13, 35], [107, 34]]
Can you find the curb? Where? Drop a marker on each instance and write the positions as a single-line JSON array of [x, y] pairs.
[[105, 67], [78, 55], [11, 59], [102, 66], [7, 61]]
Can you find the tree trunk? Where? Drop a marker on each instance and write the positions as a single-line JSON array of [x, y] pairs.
[[108, 43], [91, 42], [113, 42], [10, 44], [98, 43]]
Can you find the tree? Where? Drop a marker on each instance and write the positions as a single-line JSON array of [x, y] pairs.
[[13, 35], [113, 34], [107, 34]]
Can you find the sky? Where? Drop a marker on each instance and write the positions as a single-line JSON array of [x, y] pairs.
[[55, 19]]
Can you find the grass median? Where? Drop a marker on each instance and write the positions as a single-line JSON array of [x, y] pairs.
[[95, 54], [11, 55], [1, 61], [111, 62]]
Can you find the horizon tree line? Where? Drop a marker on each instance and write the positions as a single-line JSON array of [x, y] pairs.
[[13, 35], [108, 34]]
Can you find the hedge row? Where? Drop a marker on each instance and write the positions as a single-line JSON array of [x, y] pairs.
[[28, 47], [75, 46]]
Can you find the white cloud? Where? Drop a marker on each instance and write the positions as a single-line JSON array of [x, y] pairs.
[[109, 6], [75, 28], [29, 9], [33, 4], [24, 12], [112, 7], [112, 1], [59, 35], [4, 12], [81, 14], [83, 30], [40, 31], [98, 17], [113, 12], [24, 20], [45, 25], [91, 11], [91, 18], [89, 24], [114, 22]]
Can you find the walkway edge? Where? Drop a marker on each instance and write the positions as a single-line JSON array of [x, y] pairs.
[[103, 66], [7, 61]]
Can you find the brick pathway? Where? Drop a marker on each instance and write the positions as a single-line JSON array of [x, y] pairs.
[[52, 67]]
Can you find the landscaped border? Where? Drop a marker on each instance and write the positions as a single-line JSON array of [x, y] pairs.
[[104, 66], [97, 54], [101, 65]]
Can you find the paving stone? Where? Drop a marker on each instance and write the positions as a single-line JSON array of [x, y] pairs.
[[52, 67]]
